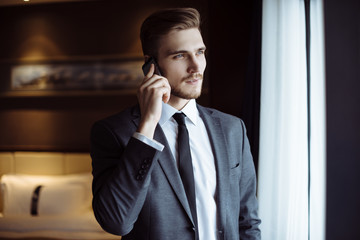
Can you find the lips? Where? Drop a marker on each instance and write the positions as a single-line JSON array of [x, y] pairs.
[[193, 81], [194, 78]]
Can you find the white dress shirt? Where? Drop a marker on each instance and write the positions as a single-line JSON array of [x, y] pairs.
[[202, 159]]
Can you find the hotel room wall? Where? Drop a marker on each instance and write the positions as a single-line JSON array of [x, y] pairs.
[[61, 120]]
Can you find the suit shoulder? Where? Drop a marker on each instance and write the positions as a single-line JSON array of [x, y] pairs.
[[222, 115], [229, 123], [120, 119]]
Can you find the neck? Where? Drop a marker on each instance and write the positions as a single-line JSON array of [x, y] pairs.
[[178, 103]]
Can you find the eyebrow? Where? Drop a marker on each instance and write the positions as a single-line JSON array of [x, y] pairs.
[[174, 52]]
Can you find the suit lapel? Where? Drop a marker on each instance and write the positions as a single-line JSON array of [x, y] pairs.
[[167, 164], [218, 143]]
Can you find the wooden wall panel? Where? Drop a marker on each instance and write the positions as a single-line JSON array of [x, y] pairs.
[[61, 121]]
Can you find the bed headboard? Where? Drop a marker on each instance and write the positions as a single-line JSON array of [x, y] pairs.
[[43, 163]]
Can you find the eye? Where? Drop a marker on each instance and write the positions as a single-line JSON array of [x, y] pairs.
[[178, 56], [201, 52]]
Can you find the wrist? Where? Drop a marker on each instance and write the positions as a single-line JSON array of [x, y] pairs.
[[147, 128]]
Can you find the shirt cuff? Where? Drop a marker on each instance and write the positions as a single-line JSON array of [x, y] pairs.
[[151, 142]]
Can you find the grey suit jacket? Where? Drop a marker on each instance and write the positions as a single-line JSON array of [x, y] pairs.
[[137, 190]]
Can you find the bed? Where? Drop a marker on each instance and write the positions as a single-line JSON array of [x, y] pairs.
[[47, 195]]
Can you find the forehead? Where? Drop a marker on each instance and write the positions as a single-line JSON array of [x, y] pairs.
[[181, 40]]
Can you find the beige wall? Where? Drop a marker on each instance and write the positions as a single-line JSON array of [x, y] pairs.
[[44, 163]]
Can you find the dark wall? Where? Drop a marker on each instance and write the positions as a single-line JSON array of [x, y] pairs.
[[60, 121], [234, 62], [230, 33], [342, 36], [67, 32]]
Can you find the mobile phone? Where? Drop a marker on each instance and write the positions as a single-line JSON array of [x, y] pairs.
[[147, 65]]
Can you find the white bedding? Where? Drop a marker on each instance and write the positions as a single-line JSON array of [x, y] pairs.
[[62, 208], [63, 194], [79, 226]]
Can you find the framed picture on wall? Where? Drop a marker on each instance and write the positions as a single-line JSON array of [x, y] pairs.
[[79, 75]]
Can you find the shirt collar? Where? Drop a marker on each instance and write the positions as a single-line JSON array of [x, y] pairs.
[[190, 110]]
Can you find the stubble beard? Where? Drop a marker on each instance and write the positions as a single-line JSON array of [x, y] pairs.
[[179, 92]]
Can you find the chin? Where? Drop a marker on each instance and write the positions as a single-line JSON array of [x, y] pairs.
[[189, 94]]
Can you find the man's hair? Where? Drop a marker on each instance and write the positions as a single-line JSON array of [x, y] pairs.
[[164, 21]]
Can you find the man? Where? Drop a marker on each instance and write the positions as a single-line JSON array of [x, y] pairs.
[[138, 191]]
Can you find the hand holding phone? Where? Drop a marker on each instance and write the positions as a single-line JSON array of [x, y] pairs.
[[147, 65], [154, 90]]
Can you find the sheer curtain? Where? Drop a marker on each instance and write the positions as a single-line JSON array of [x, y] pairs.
[[318, 129], [285, 176]]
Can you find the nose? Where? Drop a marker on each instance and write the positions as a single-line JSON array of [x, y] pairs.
[[194, 64]]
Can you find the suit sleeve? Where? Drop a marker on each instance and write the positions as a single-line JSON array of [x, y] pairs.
[[248, 220], [121, 177]]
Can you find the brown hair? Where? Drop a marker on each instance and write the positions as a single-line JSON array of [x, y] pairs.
[[162, 22]]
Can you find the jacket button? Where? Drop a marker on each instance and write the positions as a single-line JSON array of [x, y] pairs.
[[142, 171]]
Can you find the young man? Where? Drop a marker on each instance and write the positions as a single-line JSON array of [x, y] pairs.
[[137, 187]]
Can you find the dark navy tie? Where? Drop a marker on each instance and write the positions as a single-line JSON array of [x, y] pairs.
[[185, 164]]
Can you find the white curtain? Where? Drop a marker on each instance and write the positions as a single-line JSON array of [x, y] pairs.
[[318, 129], [283, 151]]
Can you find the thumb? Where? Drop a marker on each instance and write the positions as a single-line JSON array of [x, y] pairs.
[[151, 71]]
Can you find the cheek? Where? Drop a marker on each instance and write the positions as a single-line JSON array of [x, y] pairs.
[[204, 65], [204, 62], [173, 71], [201, 61]]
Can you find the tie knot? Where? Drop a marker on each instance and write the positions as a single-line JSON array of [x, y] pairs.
[[179, 118]]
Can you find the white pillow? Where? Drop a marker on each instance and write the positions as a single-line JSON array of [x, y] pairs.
[[61, 199], [64, 194]]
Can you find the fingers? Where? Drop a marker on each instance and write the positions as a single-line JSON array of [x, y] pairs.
[[155, 84], [152, 92], [158, 86], [166, 93], [151, 72], [150, 77]]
